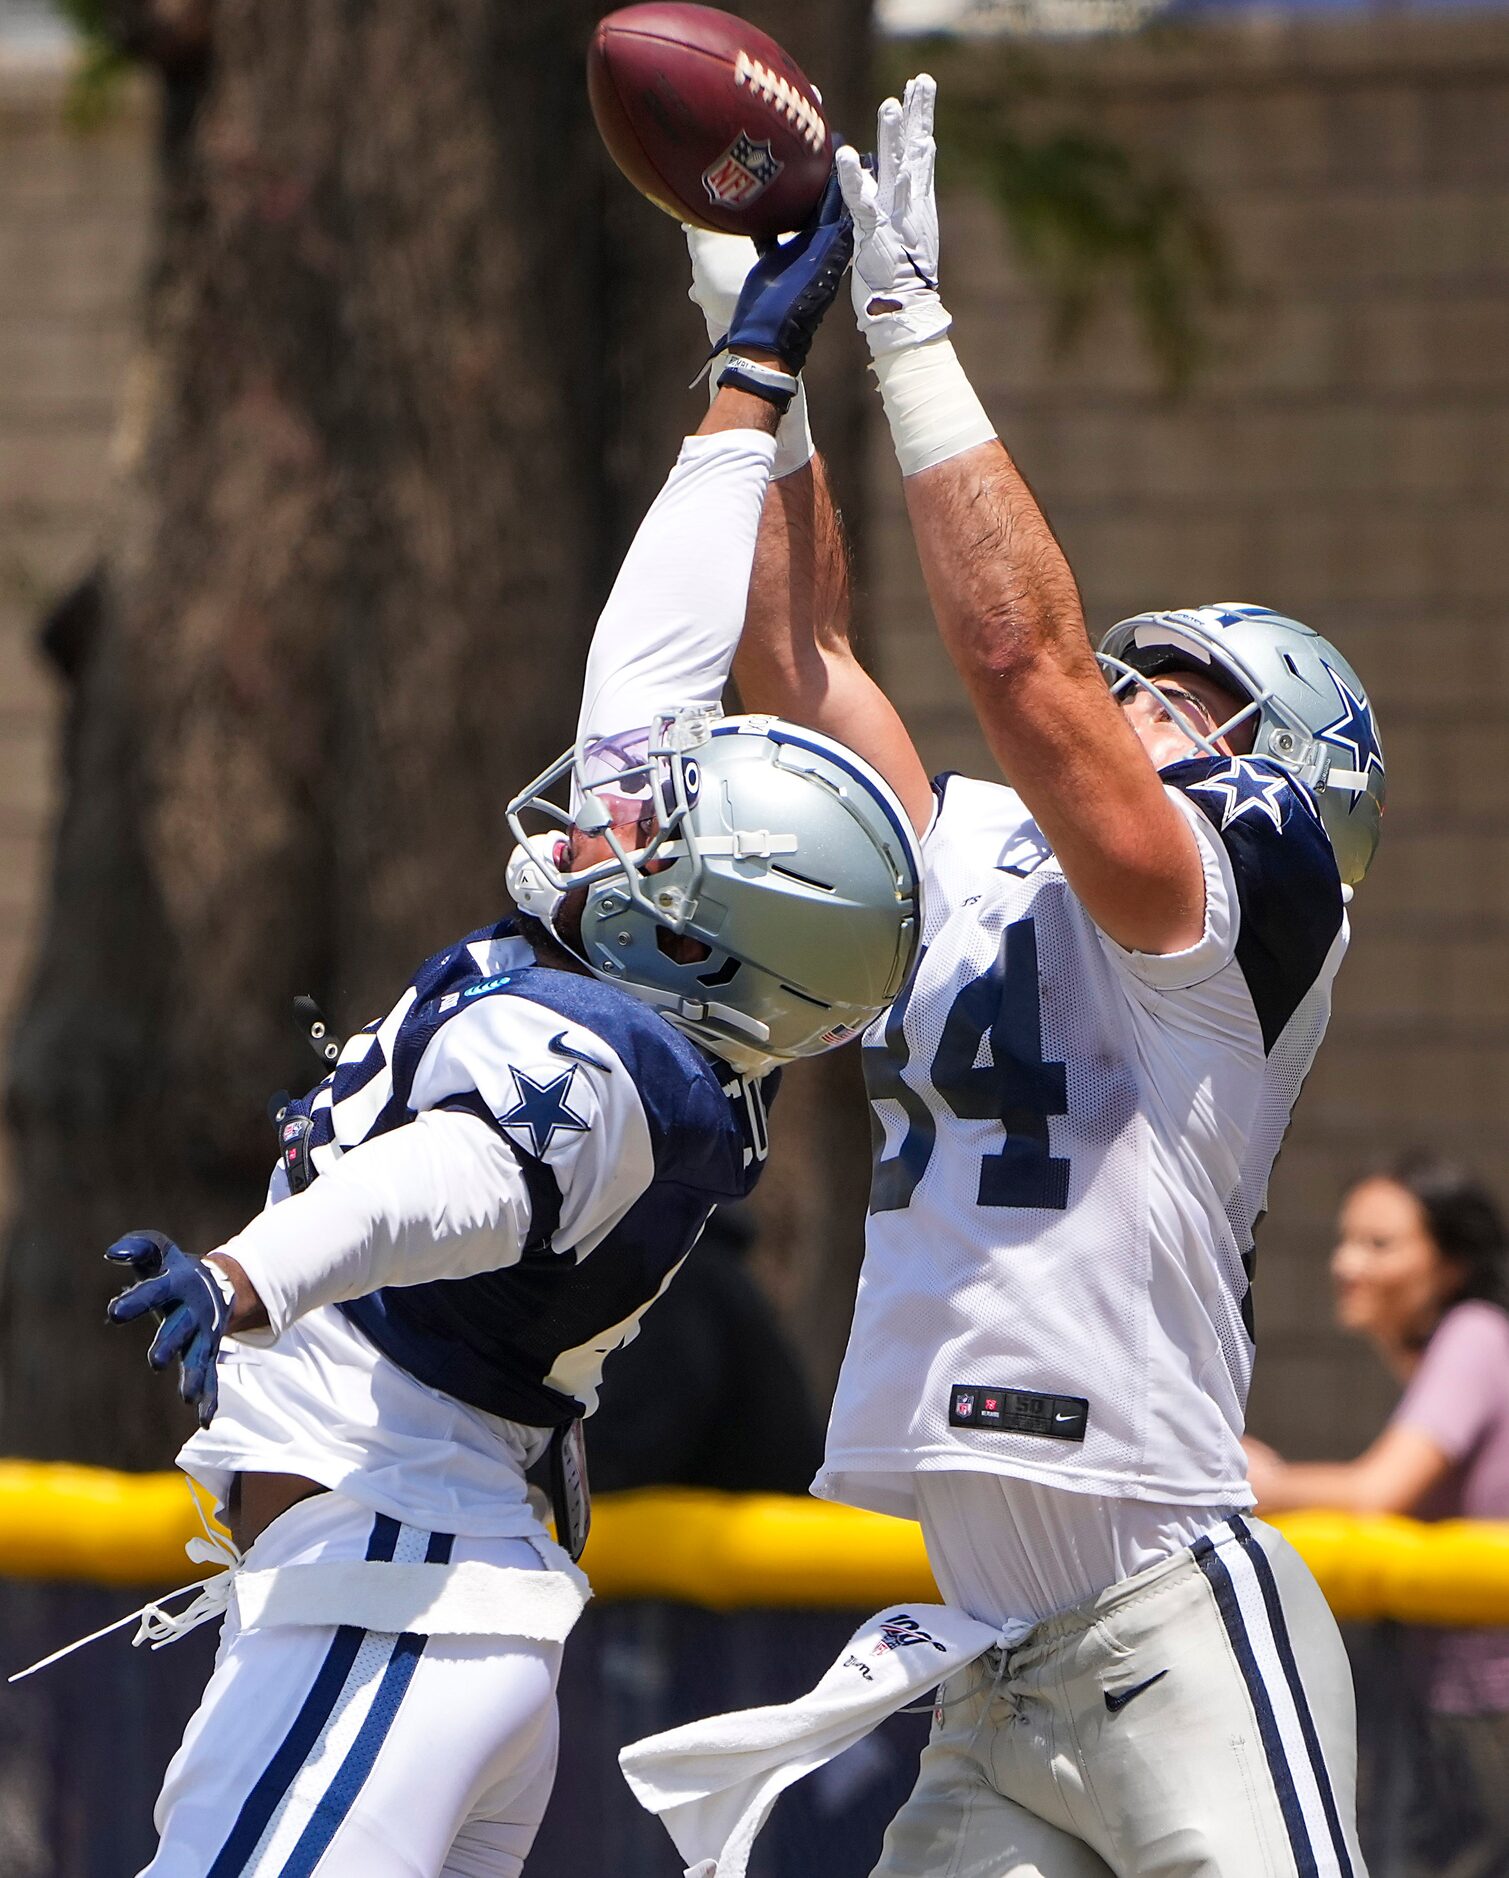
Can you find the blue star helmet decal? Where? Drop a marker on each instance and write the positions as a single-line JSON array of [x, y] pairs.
[[1354, 730], [542, 1108], [1247, 787]]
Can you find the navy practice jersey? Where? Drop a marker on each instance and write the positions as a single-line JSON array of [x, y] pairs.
[[627, 1136], [1073, 1145]]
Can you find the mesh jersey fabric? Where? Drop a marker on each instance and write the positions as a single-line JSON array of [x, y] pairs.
[[627, 1134], [1073, 1145]]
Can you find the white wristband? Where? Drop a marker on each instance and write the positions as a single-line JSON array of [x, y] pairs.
[[930, 404], [771, 382], [222, 1281]]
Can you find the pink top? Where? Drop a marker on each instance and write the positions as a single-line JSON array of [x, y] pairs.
[[1459, 1399]]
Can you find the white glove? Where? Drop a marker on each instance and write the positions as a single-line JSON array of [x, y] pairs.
[[719, 264], [896, 225]]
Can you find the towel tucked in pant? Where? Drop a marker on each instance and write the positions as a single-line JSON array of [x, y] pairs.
[[1194, 1721]]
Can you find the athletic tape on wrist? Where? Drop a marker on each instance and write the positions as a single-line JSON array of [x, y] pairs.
[[930, 404], [794, 448]]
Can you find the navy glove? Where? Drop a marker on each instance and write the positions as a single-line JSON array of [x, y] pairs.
[[792, 285], [191, 1308]]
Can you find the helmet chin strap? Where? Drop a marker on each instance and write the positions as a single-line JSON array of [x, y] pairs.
[[532, 891], [529, 884]]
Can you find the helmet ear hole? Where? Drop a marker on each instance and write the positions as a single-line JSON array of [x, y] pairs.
[[680, 947], [724, 975]]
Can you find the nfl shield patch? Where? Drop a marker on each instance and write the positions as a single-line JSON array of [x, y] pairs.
[[745, 169]]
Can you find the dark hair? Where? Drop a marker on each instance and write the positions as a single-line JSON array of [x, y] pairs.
[[1461, 1216]]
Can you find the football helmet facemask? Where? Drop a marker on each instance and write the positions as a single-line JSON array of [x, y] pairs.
[[782, 852], [1312, 715]]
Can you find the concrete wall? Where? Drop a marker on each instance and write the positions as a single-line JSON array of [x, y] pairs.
[[73, 233], [1344, 461]]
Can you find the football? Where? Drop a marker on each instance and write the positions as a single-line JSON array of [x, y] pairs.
[[709, 118]]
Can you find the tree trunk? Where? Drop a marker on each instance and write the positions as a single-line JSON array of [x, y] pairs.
[[412, 368]]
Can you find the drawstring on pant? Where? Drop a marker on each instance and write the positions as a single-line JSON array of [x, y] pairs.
[[157, 1625], [1002, 1654]]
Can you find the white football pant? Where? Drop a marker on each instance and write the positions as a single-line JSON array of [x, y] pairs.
[[1195, 1721], [322, 1752]]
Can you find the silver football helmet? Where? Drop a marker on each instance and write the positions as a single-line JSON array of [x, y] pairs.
[[785, 855], [1313, 716]]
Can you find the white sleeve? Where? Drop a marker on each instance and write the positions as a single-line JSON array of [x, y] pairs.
[[1216, 946], [442, 1197], [668, 633]]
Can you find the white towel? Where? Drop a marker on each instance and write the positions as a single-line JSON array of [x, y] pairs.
[[714, 1782], [466, 1599]]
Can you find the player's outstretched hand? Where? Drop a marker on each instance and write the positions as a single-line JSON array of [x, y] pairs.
[[191, 1309], [896, 224], [793, 283]]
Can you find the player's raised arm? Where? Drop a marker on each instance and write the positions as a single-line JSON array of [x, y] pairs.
[[795, 658], [671, 624], [1005, 600]]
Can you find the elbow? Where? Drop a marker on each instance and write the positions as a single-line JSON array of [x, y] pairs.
[[1008, 648], [788, 681], [759, 667], [995, 644], [1383, 1496], [1359, 1488]]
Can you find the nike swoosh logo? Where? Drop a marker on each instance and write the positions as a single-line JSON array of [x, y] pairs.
[[1115, 1703], [560, 1047]]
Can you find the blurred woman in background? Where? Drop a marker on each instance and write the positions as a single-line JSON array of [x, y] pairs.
[[1419, 1270]]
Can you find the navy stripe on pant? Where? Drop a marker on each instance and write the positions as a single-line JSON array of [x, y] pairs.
[[277, 1778], [1274, 1605], [351, 1776], [1227, 1604]]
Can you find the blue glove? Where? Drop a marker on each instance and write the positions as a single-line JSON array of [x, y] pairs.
[[191, 1308], [792, 285]]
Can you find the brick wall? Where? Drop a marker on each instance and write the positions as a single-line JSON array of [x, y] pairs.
[[1341, 461], [1345, 461], [73, 228]]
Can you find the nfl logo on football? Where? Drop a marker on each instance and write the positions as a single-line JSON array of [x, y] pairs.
[[742, 172]]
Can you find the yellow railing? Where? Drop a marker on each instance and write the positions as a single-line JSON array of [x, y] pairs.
[[724, 1551]]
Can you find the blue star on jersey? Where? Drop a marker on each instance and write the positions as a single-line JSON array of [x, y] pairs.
[[1354, 730], [1244, 787], [542, 1109]]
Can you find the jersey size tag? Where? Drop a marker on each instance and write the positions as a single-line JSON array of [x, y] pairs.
[[570, 1494], [1017, 1411], [294, 1147]]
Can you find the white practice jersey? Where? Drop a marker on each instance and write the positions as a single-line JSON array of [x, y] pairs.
[[498, 1179], [1073, 1147]]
